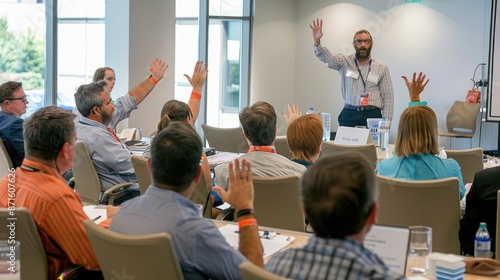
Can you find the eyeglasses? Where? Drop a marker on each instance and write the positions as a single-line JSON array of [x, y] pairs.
[[366, 41], [22, 98]]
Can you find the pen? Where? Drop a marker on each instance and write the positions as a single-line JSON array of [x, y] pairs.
[[96, 218]]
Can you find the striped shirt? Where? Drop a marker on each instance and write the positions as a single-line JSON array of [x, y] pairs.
[[381, 91], [324, 258], [58, 214]]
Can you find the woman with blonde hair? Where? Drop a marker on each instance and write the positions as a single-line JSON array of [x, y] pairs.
[[416, 147]]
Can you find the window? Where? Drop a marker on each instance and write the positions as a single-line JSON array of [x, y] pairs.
[[80, 46], [224, 43], [22, 51], [25, 35]]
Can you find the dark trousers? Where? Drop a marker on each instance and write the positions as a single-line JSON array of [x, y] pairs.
[[353, 117]]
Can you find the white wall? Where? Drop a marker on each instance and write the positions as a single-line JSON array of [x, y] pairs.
[[273, 55], [151, 32]]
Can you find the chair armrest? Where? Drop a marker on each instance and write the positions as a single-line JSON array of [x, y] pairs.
[[226, 215], [115, 190]]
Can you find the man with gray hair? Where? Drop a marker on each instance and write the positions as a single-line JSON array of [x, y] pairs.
[[112, 160], [339, 198], [49, 137]]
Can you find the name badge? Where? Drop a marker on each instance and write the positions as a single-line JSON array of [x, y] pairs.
[[352, 74], [364, 99], [373, 78]]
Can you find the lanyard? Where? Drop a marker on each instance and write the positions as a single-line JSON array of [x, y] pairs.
[[361, 75], [269, 149]]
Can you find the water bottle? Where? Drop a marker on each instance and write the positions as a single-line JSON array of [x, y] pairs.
[[327, 122], [383, 129], [310, 111], [482, 242]]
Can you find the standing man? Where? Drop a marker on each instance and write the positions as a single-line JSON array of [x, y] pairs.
[[365, 83]]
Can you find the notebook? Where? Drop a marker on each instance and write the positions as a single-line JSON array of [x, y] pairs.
[[391, 245]]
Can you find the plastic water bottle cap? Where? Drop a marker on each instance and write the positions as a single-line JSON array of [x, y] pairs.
[[482, 225]]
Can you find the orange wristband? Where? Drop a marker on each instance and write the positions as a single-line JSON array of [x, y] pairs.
[[247, 222], [195, 95], [153, 80]]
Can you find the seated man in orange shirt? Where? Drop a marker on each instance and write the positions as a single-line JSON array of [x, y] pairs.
[[49, 139]]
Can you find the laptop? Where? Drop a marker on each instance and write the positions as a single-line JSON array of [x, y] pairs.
[[391, 244]]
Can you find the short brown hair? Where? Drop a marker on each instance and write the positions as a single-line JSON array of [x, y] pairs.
[[259, 123], [417, 132], [7, 90], [362, 31], [304, 136], [338, 193]]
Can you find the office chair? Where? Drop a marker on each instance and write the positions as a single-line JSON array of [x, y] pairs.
[[226, 139], [369, 150], [201, 195], [277, 203], [150, 256], [250, 271], [87, 182], [433, 203], [142, 173], [5, 162], [33, 257], [281, 145], [461, 121], [470, 161]]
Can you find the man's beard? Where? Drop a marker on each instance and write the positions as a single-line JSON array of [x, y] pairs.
[[365, 54], [107, 118]]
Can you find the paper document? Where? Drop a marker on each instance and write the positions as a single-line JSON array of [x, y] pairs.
[[271, 241], [97, 213]]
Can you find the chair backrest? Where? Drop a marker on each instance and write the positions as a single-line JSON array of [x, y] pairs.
[[150, 256], [497, 234], [369, 150], [433, 203], [461, 118], [142, 172], [250, 271], [277, 203], [470, 161], [87, 183], [281, 145], [5, 162], [226, 139], [201, 195], [33, 257]]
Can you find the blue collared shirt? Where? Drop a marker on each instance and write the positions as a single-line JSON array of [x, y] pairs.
[[201, 249], [112, 159], [328, 258]]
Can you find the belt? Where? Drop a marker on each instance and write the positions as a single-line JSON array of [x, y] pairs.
[[361, 108]]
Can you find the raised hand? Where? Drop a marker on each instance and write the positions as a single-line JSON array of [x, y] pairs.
[[293, 113], [199, 76], [416, 86], [158, 68], [317, 30], [240, 191]]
